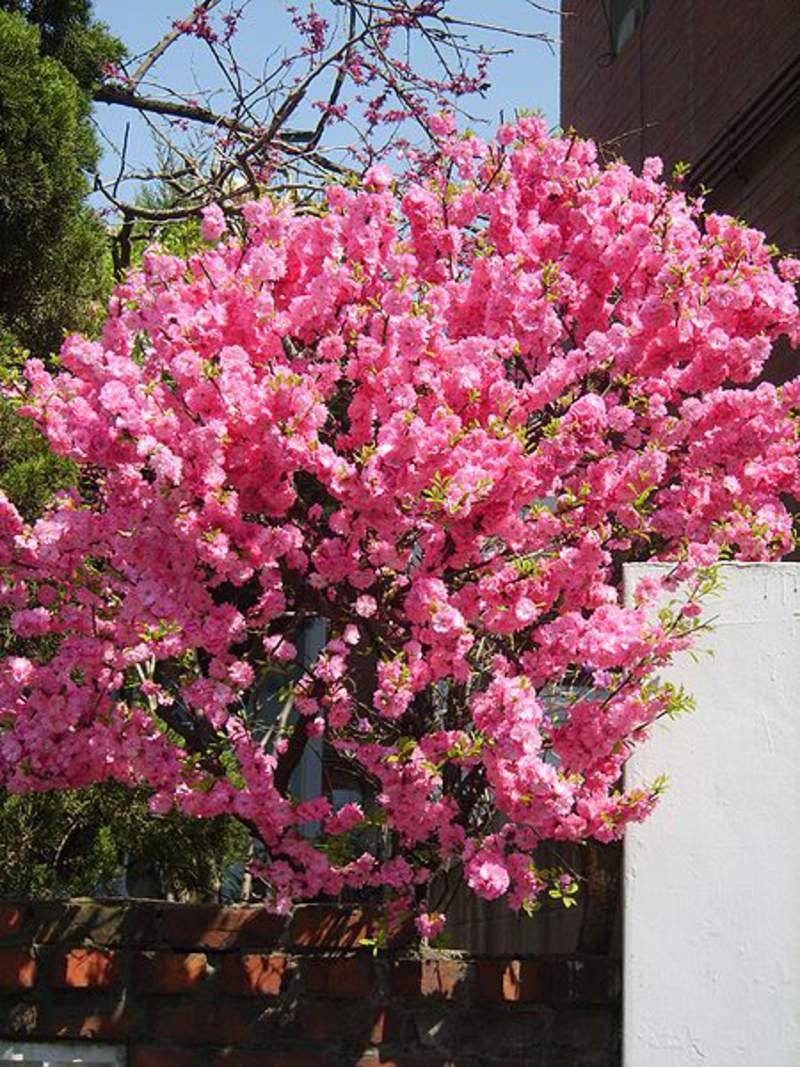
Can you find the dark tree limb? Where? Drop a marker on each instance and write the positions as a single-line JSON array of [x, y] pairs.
[[290, 760], [157, 51], [178, 109]]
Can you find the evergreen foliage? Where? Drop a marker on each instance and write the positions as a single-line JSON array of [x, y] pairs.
[[54, 262]]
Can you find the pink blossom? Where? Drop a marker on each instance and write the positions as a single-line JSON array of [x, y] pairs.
[[378, 177], [345, 819], [487, 877], [213, 225], [277, 645], [430, 924], [366, 606], [364, 483]]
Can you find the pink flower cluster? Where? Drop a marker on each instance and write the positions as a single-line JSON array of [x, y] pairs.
[[440, 424]]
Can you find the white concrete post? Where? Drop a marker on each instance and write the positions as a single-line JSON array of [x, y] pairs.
[[712, 879]]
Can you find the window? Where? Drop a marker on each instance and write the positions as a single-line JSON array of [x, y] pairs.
[[60, 1054], [625, 17]]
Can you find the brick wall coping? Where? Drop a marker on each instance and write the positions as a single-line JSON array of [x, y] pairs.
[[195, 985]]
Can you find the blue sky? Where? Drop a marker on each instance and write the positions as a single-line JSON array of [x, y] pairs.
[[528, 78]]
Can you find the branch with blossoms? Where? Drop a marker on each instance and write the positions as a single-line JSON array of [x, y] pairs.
[[351, 92], [430, 427]]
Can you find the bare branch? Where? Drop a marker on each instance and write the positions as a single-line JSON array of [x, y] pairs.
[[339, 81], [117, 94], [158, 50], [360, 69]]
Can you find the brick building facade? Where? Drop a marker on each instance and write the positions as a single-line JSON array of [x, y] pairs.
[[714, 83]]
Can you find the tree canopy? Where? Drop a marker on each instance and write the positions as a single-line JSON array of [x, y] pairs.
[[69, 33], [53, 254], [429, 427]]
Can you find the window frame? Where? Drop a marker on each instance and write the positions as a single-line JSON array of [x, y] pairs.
[[625, 17]]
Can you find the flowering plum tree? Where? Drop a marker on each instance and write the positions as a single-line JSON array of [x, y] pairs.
[[440, 423]]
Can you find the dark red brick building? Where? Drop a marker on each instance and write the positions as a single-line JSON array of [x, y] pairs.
[[713, 83]]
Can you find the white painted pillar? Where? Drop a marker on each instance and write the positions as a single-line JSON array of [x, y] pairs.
[[712, 879]]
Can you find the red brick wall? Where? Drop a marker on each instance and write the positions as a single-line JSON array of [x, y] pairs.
[[202, 986], [682, 82]]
